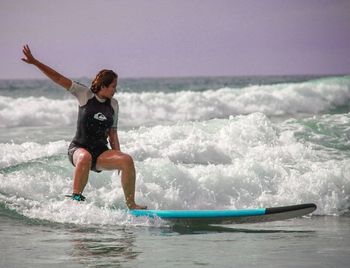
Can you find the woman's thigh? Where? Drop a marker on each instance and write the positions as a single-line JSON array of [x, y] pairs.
[[112, 159]]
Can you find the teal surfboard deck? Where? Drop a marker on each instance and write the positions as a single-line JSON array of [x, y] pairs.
[[228, 216]]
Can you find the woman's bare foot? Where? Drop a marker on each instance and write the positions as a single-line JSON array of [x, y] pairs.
[[135, 206]]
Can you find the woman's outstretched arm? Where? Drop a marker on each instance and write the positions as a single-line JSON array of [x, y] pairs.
[[49, 72]]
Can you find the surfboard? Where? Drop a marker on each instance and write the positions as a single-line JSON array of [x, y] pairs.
[[228, 216]]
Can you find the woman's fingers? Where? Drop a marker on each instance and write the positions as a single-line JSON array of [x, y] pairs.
[[27, 48], [25, 51], [28, 55]]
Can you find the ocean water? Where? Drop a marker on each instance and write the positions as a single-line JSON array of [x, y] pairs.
[[198, 143]]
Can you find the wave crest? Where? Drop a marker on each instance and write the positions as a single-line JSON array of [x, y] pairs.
[[153, 108]]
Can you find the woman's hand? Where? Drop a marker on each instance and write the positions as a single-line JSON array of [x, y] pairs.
[[28, 55]]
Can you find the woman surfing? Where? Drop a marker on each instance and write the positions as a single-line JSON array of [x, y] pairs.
[[97, 124]]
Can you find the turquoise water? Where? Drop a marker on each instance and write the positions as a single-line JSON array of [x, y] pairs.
[[198, 143]]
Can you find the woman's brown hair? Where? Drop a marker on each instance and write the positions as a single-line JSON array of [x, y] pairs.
[[103, 79]]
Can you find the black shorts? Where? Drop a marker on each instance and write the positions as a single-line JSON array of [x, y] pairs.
[[95, 153]]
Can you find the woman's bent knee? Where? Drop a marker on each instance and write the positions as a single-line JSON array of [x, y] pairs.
[[82, 157], [127, 160]]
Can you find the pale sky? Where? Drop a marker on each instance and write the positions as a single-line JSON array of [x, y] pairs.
[[157, 38]]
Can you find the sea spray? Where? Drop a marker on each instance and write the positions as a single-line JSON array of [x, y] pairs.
[[242, 161]]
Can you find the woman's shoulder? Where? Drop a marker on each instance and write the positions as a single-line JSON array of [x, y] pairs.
[[81, 92]]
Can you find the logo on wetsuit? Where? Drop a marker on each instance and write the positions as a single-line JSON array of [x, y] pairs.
[[100, 117]]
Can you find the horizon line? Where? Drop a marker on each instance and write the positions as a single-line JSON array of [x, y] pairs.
[[193, 76]]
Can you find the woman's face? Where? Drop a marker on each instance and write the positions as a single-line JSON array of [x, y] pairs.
[[108, 92]]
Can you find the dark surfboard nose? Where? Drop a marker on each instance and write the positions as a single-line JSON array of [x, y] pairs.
[[310, 207]]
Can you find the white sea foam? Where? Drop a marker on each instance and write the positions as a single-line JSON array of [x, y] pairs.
[[153, 108], [33, 111], [240, 162], [13, 154], [243, 162]]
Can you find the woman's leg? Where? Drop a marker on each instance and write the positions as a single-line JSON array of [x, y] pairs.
[[82, 161], [111, 160]]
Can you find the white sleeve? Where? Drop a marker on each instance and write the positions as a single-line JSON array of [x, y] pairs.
[[81, 92], [115, 107]]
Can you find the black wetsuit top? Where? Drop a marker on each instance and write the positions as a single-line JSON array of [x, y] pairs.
[[95, 118]]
